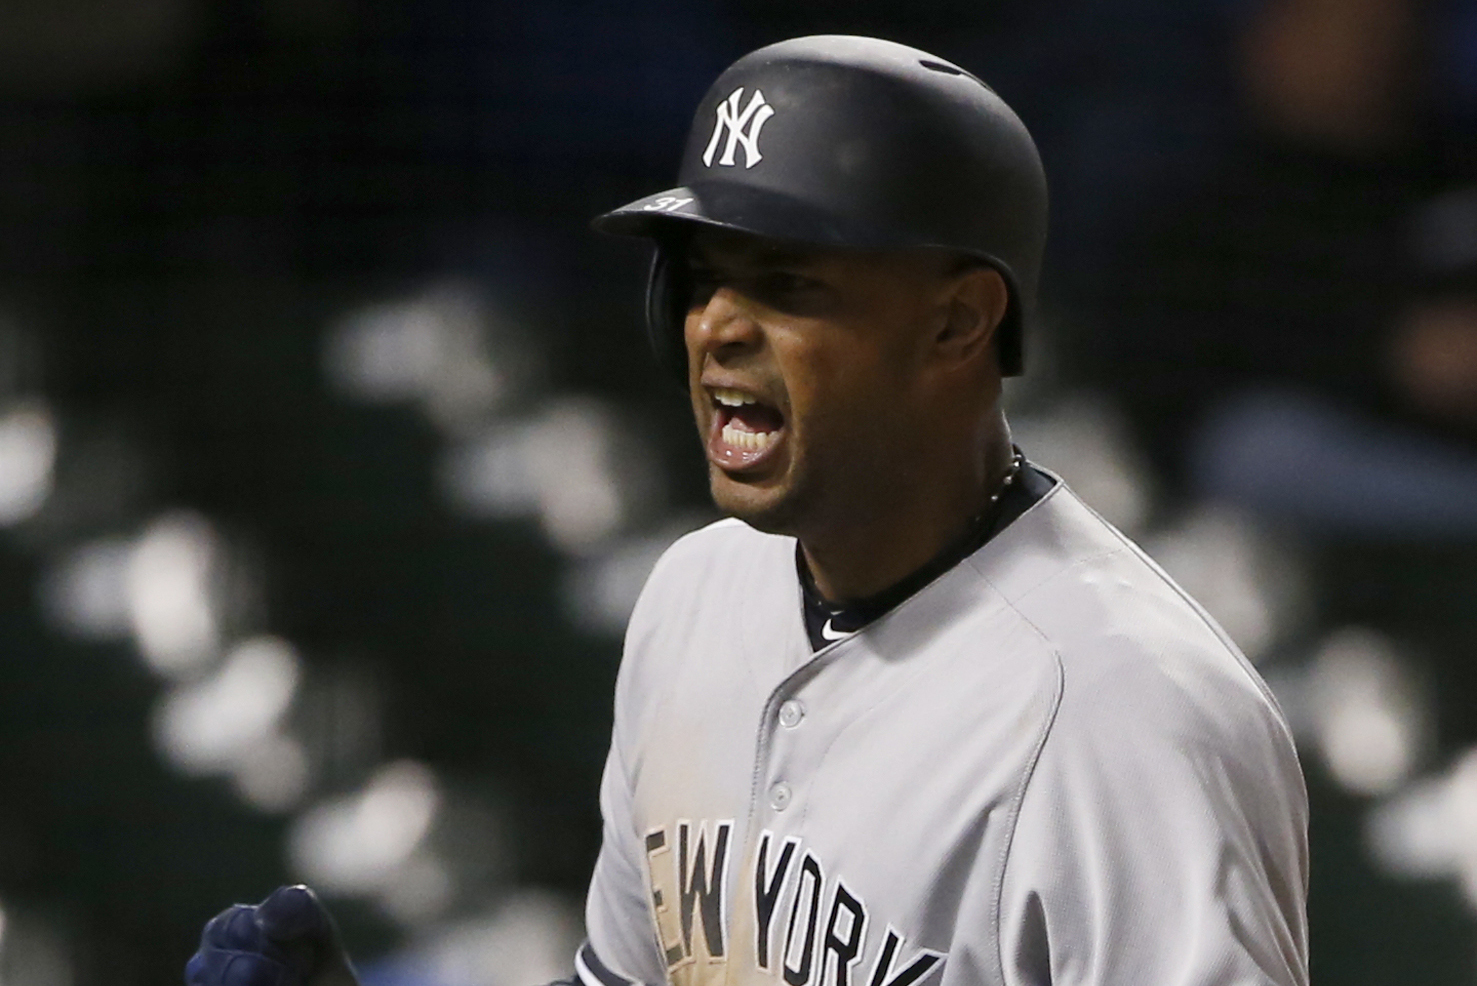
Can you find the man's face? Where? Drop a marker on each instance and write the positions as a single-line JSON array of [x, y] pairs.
[[808, 370]]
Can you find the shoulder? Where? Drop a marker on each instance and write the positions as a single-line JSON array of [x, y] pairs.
[[702, 592], [720, 537], [1139, 660], [1166, 765], [725, 551]]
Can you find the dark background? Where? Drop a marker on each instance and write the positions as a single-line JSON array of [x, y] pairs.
[[231, 231]]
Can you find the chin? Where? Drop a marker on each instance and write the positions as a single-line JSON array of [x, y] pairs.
[[769, 509]]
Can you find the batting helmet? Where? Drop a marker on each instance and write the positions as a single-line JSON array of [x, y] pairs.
[[849, 142]]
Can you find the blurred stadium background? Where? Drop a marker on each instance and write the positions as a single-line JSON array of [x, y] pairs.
[[331, 458]]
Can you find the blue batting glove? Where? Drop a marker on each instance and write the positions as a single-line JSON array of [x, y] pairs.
[[289, 939]]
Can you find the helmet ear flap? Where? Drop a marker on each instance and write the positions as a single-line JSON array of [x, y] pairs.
[[1011, 344], [668, 290]]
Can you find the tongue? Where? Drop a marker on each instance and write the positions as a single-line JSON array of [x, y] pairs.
[[758, 417]]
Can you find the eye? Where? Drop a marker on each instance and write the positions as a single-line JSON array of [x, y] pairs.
[[779, 288], [702, 282], [788, 283], [792, 292]]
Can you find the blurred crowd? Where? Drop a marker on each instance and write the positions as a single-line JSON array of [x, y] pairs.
[[331, 459]]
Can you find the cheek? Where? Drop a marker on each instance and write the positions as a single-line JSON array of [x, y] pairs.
[[806, 371], [832, 389]]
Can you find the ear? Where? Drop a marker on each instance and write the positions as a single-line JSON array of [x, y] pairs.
[[974, 306]]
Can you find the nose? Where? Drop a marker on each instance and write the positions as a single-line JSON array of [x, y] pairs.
[[724, 325]]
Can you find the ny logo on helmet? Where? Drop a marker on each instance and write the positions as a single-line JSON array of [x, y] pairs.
[[742, 128]]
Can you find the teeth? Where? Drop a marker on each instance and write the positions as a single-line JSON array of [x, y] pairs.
[[756, 440], [732, 398]]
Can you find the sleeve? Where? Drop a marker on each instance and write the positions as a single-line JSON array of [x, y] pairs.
[[1160, 839], [621, 947]]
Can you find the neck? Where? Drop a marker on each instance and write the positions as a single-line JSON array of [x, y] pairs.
[[869, 553]]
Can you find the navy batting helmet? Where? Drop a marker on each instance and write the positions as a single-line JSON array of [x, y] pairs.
[[849, 142]]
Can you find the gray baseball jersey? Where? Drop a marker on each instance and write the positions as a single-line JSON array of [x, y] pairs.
[[1046, 766]]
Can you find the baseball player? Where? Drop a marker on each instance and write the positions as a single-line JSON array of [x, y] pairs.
[[913, 714]]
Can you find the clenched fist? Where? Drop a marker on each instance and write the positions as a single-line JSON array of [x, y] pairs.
[[289, 939]]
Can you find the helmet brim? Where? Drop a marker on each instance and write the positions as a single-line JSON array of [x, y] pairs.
[[742, 208]]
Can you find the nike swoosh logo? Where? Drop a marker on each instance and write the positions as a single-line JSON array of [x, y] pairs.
[[830, 634]]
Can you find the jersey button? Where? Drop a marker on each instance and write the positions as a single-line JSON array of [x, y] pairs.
[[791, 713], [779, 796]]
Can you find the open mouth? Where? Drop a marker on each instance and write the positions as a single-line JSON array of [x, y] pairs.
[[745, 429]]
